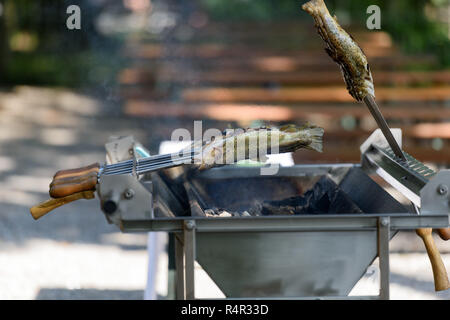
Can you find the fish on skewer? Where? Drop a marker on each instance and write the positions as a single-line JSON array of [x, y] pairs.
[[255, 143], [343, 49], [81, 183]]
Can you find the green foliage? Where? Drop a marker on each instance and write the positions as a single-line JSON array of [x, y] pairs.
[[262, 10], [36, 48], [410, 27], [405, 20], [42, 51], [72, 70]]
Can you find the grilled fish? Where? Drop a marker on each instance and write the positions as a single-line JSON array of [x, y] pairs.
[[343, 49], [255, 143]]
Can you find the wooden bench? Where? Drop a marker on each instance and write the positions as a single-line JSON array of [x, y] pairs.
[[235, 77], [239, 73], [314, 94]]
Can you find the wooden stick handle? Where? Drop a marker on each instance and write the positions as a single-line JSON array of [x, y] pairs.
[[444, 233], [51, 204], [77, 171], [68, 182], [439, 272]]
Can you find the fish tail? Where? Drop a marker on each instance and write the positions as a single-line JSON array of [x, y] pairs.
[[314, 6], [316, 138]]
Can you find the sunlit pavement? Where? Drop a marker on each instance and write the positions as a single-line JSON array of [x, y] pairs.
[[73, 253]]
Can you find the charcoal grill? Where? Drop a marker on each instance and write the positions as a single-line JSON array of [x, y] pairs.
[[296, 256]]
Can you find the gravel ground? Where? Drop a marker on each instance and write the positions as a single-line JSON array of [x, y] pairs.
[[73, 253]]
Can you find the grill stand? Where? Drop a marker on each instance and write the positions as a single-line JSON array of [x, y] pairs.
[[186, 249], [293, 257]]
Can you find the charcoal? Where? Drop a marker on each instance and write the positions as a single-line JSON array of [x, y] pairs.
[[324, 198]]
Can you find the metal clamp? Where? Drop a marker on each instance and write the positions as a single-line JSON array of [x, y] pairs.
[[125, 198]]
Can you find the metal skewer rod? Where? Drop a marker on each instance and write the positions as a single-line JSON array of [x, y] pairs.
[[382, 124], [147, 168], [166, 163], [175, 162], [174, 156], [109, 169], [128, 163]]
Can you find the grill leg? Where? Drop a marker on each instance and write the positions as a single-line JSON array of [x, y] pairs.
[[171, 281], [189, 255], [383, 255], [179, 267]]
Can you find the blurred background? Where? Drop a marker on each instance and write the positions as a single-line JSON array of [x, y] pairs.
[[147, 67]]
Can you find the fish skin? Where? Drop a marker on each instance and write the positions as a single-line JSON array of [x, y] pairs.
[[290, 138], [343, 49]]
